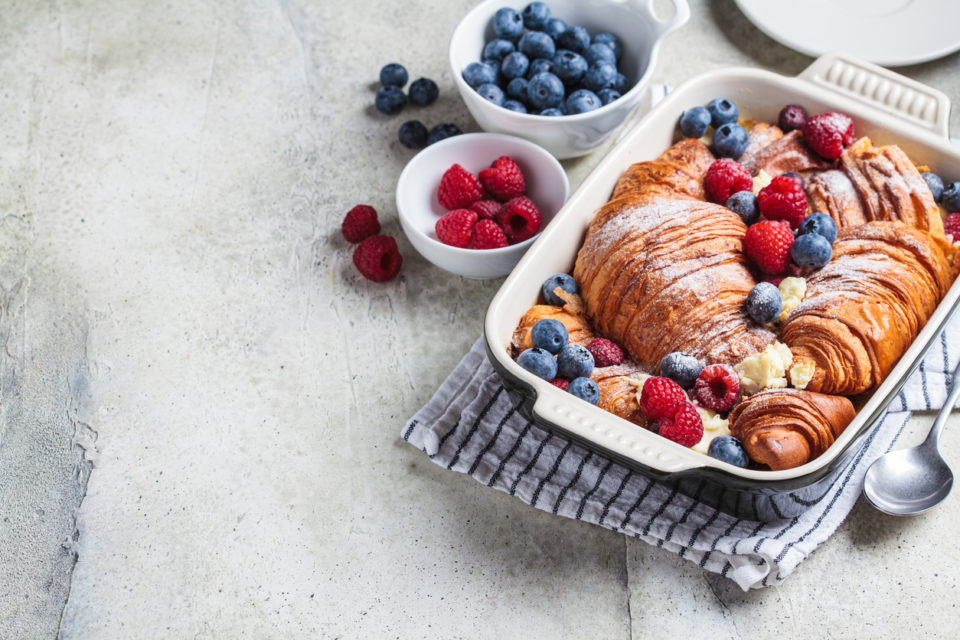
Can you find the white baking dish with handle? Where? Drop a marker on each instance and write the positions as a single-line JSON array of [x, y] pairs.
[[885, 106]]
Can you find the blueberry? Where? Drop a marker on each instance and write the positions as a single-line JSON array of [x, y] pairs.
[[744, 204], [442, 131], [585, 389], [935, 183], [764, 303], [393, 75], [423, 92], [497, 49], [810, 251], [515, 65], [722, 111], [478, 73], [607, 96], [600, 76], [611, 41], [728, 449], [413, 135], [552, 112], [549, 335], [390, 100], [694, 122], [537, 44], [598, 52], [507, 23], [545, 90], [554, 27], [791, 117], [620, 84], [514, 105], [819, 223], [493, 93], [539, 362], [539, 65], [569, 66], [951, 197], [535, 15], [574, 38], [562, 280], [730, 141], [581, 101], [574, 361], [495, 66], [517, 89], [682, 368]]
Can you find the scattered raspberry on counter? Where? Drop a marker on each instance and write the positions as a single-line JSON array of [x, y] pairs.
[[360, 223], [377, 258]]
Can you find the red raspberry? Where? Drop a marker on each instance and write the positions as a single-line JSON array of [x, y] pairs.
[[458, 188], [718, 387], [560, 383], [503, 180], [487, 234], [724, 178], [658, 395], [454, 227], [828, 133], [519, 218], [486, 208], [783, 199], [682, 424], [378, 258], [951, 225], [360, 222], [605, 353], [767, 244]]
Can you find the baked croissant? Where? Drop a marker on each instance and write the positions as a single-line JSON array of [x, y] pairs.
[[660, 275], [677, 173], [864, 308], [787, 153], [875, 183], [785, 428], [618, 394], [578, 330]]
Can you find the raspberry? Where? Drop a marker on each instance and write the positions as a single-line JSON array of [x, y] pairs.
[[951, 225], [682, 424], [724, 178], [658, 395], [486, 208], [560, 383], [360, 222], [458, 188], [519, 218], [718, 387], [487, 234], [377, 258], [828, 133], [454, 227], [767, 244], [503, 180], [783, 199], [605, 353]]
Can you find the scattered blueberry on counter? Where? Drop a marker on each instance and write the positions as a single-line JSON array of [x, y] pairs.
[[413, 135], [442, 131], [393, 75], [423, 92], [390, 100]]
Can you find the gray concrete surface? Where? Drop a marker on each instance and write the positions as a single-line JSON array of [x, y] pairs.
[[190, 352]]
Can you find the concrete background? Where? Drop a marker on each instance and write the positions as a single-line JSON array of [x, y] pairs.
[[200, 398]]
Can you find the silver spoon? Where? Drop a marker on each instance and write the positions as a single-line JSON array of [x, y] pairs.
[[911, 481]]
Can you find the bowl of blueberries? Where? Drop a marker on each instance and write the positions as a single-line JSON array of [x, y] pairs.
[[564, 74]]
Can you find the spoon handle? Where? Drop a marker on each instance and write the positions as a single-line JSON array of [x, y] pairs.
[[951, 401]]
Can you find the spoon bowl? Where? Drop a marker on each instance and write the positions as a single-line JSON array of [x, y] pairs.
[[908, 482]]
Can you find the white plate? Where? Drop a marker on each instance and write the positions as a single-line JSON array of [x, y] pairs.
[[885, 32]]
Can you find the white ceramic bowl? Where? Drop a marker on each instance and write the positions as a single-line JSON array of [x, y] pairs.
[[419, 209], [632, 21]]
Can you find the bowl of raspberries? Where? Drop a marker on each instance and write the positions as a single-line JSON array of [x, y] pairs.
[[565, 73], [472, 204]]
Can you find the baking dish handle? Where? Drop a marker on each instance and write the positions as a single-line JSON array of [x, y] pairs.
[[623, 439], [681, 13], [882, 89]]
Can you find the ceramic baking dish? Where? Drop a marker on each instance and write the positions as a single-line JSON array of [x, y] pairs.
[[885, 106]]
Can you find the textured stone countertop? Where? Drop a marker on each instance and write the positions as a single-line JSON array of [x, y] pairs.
[[201, 399]]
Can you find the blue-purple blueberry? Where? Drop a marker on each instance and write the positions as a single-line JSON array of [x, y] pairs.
[[514, 65], [764, 303], [393, 75], [545, 90], [581, 101], [563, 281], [413, 135], [722, 111], [574, 38], [535, 15], [610, 40], [585, 389], [694, 122], [574, 361], [508, 23], [497, 49], [819, 223], [537, 44], [549, 334], [539, 362], [569, 66], [744, 204], [730, 141], [390, 100], [682, 368], [811, 251], [730, 450], [423, 92]]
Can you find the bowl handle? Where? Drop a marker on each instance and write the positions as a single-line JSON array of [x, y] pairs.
[[882, 89], [661, 28]]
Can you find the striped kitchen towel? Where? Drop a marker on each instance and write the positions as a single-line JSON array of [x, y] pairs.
[[472, 426]]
